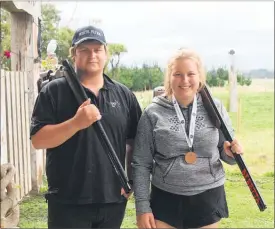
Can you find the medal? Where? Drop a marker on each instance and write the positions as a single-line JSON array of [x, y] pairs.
[[190, 157]]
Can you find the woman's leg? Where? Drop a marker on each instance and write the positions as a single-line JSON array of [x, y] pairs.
[[214, 225], [165, 208], [206, 209], [161, 224]]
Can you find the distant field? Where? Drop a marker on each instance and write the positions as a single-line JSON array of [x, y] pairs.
[[258, 85]]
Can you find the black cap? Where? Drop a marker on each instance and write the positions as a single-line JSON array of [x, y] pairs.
[[88, 33]]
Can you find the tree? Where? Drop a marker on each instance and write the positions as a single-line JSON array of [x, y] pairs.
[[64, 40], [212, 78], [219, 77], [156, 75], [115, 51], [222, 73], [5, 31], [126, 76], [248, 81], [5, 44], [242, 80], [49, 24]]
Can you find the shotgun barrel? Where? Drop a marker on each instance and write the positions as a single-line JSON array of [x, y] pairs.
[[81, 97], [218, 121]]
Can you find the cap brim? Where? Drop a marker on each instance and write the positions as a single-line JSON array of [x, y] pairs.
[[88, 39]]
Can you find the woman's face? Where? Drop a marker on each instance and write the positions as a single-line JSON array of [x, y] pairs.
[[185, 79]]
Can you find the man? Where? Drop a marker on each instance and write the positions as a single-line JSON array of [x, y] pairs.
[[84, 190]]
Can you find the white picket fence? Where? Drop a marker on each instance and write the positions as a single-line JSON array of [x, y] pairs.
[[15, 128]]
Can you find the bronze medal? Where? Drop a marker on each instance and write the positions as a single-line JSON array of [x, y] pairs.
[[190, 157]]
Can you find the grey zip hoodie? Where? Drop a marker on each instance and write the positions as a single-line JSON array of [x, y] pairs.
[[160, 146]]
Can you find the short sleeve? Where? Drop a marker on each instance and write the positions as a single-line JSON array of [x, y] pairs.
[[43, 111], [134, 113]]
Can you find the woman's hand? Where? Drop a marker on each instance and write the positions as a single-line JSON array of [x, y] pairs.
[[146, 220], [234, 147]]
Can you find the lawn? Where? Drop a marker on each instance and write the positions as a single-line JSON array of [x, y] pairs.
[[254, 127], [244, 212]]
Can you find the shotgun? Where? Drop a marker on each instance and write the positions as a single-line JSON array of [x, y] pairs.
[[218, 121], [81, 97]]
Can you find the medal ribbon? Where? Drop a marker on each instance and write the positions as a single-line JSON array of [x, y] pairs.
[[189, 138]]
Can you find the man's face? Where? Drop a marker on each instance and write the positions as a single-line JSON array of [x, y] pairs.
[[90, 57]]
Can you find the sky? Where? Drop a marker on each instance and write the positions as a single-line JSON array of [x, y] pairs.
[[152, 31]]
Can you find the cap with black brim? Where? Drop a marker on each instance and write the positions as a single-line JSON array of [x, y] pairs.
[[88, 33], [89, 39]]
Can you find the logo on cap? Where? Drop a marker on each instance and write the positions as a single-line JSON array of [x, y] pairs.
[[89, 31]]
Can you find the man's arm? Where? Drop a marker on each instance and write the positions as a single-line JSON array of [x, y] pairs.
[[47, 133], [51, 136]]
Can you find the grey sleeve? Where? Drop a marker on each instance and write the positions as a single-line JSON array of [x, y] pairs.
[[227, 159], [142, 164]]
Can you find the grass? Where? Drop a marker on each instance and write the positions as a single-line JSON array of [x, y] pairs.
[[256, 132], [243, 210]]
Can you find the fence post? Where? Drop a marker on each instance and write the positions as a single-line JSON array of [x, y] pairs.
[[239, 115], [3, 145]]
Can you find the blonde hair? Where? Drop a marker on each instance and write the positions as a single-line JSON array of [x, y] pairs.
[[72, 52], [183, 53]]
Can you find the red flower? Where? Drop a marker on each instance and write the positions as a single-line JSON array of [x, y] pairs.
[[7, 54]]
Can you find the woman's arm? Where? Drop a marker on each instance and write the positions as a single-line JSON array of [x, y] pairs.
[[142, 164]]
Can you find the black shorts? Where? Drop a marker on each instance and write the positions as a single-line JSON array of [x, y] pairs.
[[85, 216], [189, 211]]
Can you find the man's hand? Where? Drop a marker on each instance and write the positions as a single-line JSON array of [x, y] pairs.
[[125, 194], [146, 220], [86, 115], [234, 147]]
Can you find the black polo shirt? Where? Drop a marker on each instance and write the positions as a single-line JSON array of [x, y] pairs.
[[79, 168]]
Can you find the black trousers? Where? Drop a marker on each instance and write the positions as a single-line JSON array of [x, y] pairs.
[[85, 216]]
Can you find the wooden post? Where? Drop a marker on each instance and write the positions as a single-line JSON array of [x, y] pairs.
[[24, 34], [239, 116], [3, 144], [233, 101], [37, 155]]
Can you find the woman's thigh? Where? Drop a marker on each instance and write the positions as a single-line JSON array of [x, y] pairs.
[[161, 224], [205, 210]]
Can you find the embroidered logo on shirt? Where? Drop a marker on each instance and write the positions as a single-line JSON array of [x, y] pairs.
[[175, 123], [115, 104]]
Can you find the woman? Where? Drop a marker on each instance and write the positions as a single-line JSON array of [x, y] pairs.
[[179, 146]]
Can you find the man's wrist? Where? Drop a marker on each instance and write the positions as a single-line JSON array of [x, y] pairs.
[[131, 182]]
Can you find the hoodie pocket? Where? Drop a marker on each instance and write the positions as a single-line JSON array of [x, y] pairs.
[[179, 173]]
